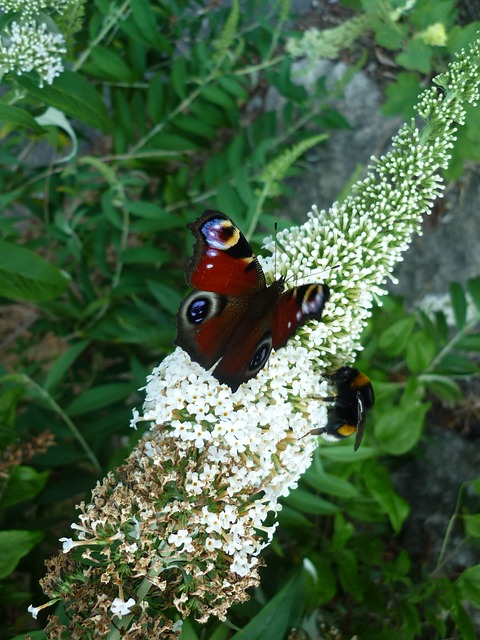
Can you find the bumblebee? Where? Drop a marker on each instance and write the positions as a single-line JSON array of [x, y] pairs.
[[354, 398]]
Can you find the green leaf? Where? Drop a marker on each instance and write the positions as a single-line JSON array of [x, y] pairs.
[[411, 623], [317, 478], [226, 198], [395, 338], [222, 632], [144, 17], [326, 586], [188, 632], [473, 287], [233, 86], [194, 125], [475, 485], [235, 153], [146, 254], [63, 364], [15, 545], [9, 399], [153, 211], [289, 517], [23, 484], [345, 453], [463, 622], [106, 64], [26, 276], [459, 37], [276, 617], [99, 398], [218, 97], [56, 118], [417, 56], [402, 95], [208, 113], [399, 429], [472, 525], [348, 572], [168, 297], [19, 118], [169, 143], [33, 635], [459, 304], [468, 584], [178, 77], [469, 342], [309, 502], [454, 364], [380, 486], [156, 97], [421, 350], [243, 187], [445, 388], [387, 33], [71, 93]]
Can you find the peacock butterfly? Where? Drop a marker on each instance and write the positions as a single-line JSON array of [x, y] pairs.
[[233, 320], [353, 400]]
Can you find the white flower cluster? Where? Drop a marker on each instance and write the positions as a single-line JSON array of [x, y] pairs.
[[433, 303], [251, 439], [30, 8], [31, 47]]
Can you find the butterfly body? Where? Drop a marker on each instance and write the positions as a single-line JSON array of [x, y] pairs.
[[353, 400], [233, 319]]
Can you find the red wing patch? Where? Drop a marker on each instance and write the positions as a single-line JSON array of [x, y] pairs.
[[223, 261], [294, 308], [247, 354], [216, 271]]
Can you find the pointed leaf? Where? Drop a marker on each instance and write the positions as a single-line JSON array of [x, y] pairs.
[[19, 118], [445, 388], [459, 304], [72, 94], [56, 118], [63, 364], [473, 287], [380, 486], [99, 397], [399, 429], [469, 584], [23, 484], [26, 276], [15, 544], [278, 615], [309, 502]]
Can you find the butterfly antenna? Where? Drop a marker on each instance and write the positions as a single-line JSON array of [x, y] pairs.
[[315, 272]]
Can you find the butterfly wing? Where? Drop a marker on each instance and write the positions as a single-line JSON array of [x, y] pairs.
[[248, 352], [223, 260], [226, 274], [233, 332], [294, 308], [233, 320], [361, 420]]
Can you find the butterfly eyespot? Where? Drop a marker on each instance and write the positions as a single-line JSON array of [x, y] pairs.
[[220, 234], [198, 310], [261, 354], [313, 299]]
